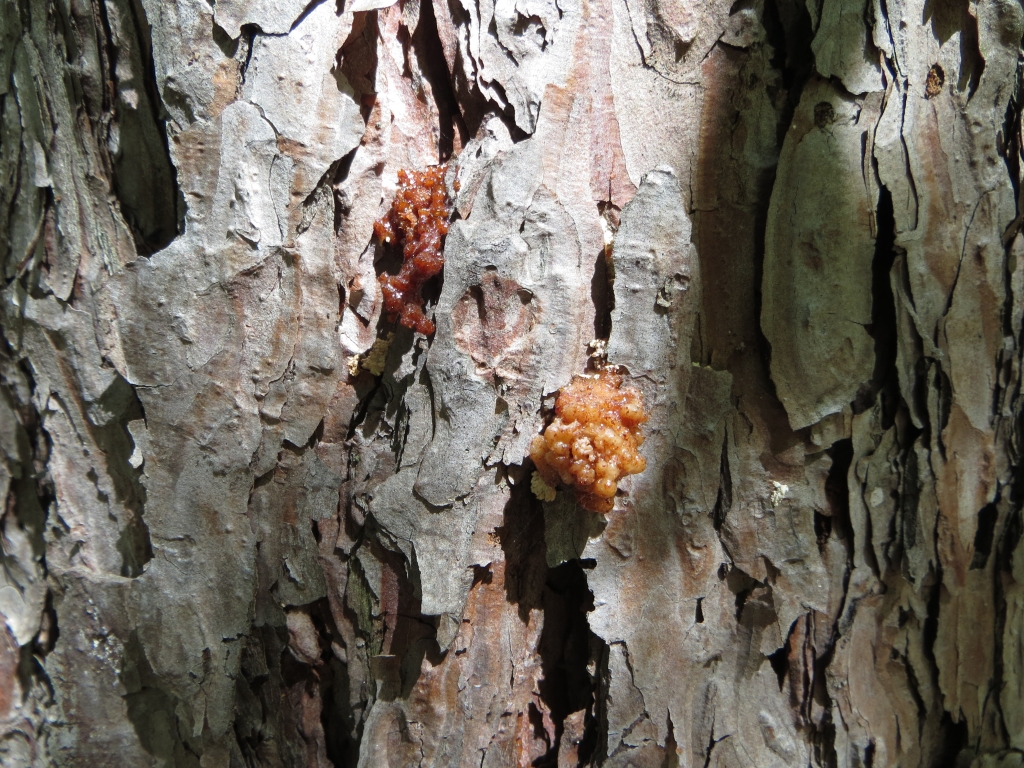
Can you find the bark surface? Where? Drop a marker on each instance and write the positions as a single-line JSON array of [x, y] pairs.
[[250, 522]]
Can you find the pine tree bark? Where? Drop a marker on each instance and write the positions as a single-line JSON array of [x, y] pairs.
[[251, 522]]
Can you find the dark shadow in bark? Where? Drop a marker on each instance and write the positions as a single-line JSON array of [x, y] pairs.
[[602, 285], [152, 711], [884, 380], [930, 629], [359, 60], [603, 296], [257, 692], [144, 178], [837, 492], [109, 418], [1001, 576], [322, 681], [522, 540], [565, 652], [382, 395], [341, 719], [789, 30], [723, 502], [567, 647], [730, 203], [409, 636], [32, 493], [780, 659], [824, 743], [427, 47], [285, 701], [908, 513], [740, 584], [955, 751], [984, 535], [467, 100], [292, 706]]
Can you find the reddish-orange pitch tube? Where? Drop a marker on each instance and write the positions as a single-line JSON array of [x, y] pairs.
[[594, 439], [418, 222]]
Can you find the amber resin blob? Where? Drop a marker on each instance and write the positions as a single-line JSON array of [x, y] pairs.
[[418, 222], [594, 439]]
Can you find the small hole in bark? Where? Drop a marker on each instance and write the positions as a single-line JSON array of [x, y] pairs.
[[824, 114], [934, 82]]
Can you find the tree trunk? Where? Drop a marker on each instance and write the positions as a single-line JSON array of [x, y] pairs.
[[250, 521]]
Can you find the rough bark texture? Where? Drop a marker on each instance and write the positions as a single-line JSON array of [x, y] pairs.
[[231, 539]]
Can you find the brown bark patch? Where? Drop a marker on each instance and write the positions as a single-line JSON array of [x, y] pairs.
[[492, 322]]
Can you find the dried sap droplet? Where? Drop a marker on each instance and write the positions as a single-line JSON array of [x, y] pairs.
[[594, 439], [418, 222]]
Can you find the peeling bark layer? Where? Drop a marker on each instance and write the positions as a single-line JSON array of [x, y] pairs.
[[249, 522]]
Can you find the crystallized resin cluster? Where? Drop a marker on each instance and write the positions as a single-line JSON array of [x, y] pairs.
[[418, 221], [594, 439]]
